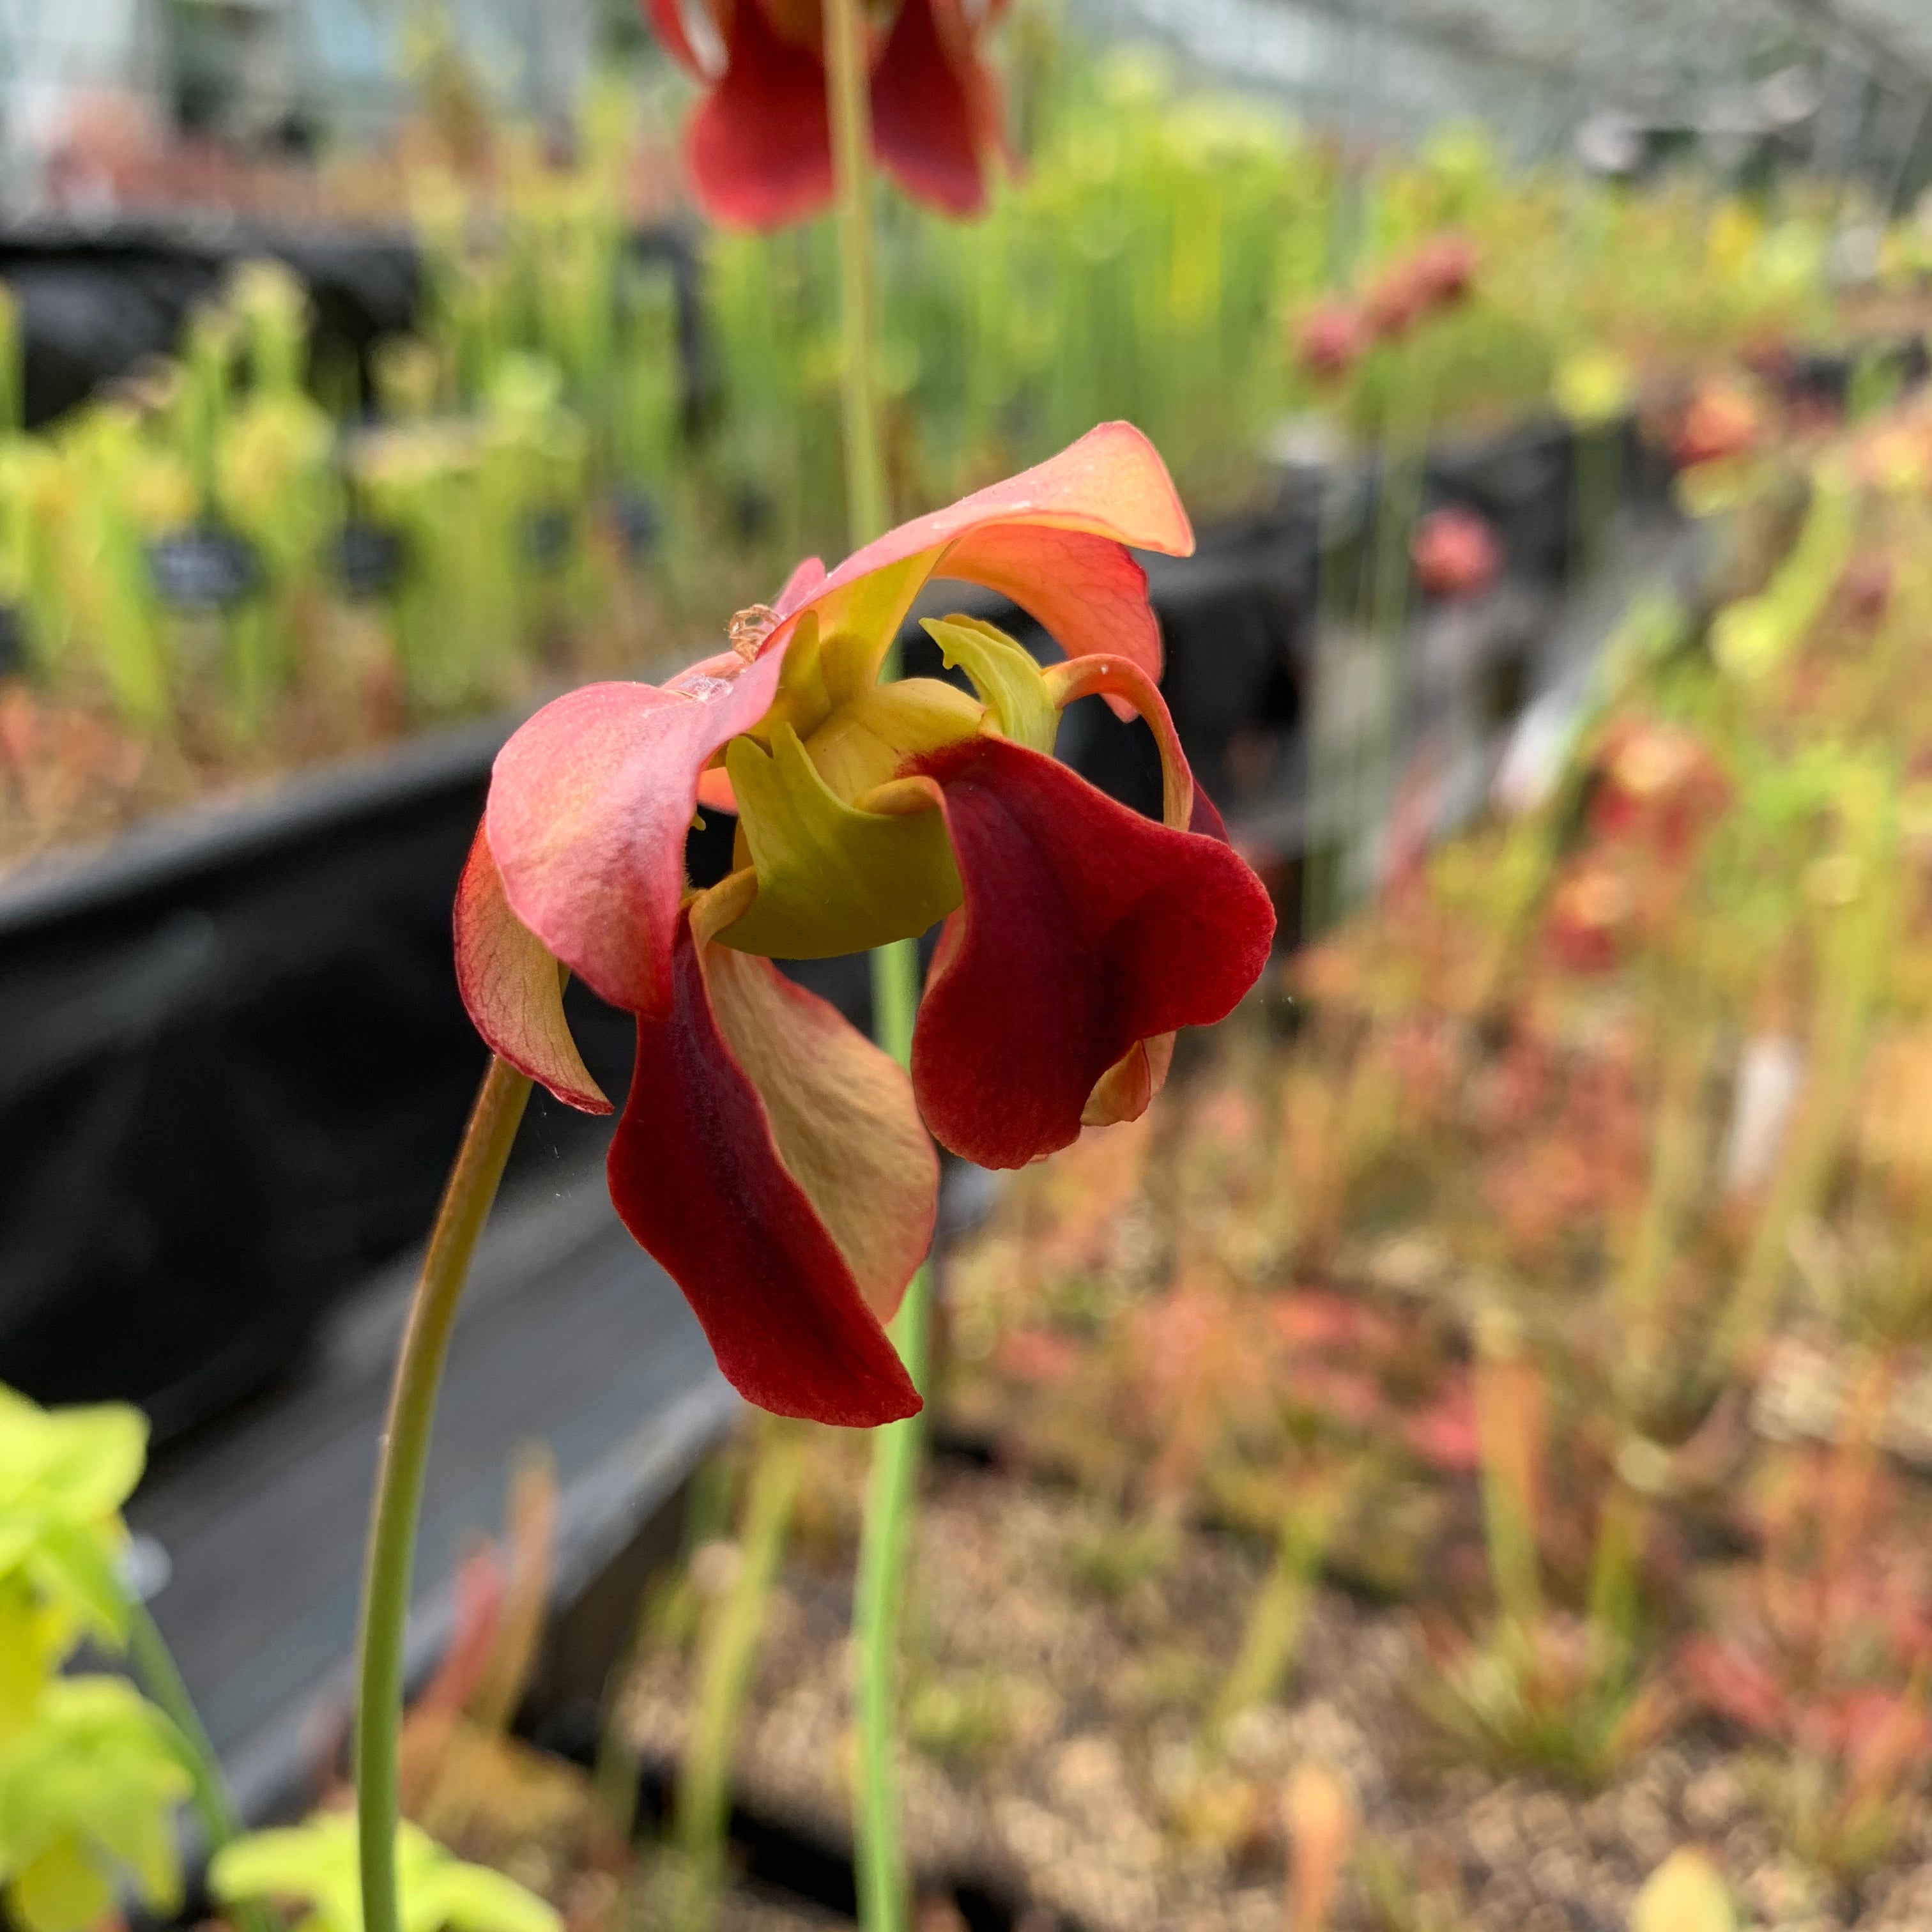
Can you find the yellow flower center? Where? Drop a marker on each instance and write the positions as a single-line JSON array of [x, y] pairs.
[[841, 868]]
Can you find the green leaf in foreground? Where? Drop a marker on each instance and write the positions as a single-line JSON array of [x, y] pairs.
[[315, 1865], [88, 1792]]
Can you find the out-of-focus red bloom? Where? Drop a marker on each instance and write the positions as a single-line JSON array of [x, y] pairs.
[[1722, 419], [1332, 338], [769, 1157], [1041, 1356], [1590, 912], [759, 147], [1437, 275], [1394, 302], [1312, 1318], [1444, 269], [1455, 553], [1444, 1435], [1732, 1681], [1657, 785]]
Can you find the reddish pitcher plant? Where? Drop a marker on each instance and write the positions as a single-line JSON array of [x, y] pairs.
[[759, 147], [769, 1157]]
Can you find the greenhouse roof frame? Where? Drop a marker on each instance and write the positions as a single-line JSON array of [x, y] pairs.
[[1856, 75]]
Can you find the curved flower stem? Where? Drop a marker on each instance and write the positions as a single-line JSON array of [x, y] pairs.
[[402, 1458], [879, 1855]]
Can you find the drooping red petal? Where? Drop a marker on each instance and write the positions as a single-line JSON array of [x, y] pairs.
[[510, 983], [697, 1175], [962, 39], [589, 802], [926, 124], [1127, 1089], [759, 144], [1085, 929]]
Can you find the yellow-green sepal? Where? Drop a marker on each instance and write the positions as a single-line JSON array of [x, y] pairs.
[[832, 878], [833, 657], [1009, 681]]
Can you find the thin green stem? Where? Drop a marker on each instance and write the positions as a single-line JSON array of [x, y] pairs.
[[848, 80], [160, 1677], [155, 1666], [1272, 1633], [727, 1656], [877, 1602], [402, 1459], [879, 1592], [879, 1588]]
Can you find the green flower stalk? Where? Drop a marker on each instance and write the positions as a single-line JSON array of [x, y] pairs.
[[728, 1656], [404, 1460], [880, 1585]]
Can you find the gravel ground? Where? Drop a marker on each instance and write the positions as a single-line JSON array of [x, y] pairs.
[[1058, 1661]]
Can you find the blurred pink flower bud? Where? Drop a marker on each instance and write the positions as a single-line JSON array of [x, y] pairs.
[[1455, 553], [1331, 338]]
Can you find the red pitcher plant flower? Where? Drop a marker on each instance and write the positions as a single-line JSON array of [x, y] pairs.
[[1722, 419], [1445, 269], [1455, 553], [759, 147], [769, 1157], [1657, 789], [1657, 785], [1331, 339]]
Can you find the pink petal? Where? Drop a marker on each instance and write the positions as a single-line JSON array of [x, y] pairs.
[[799, 586], [1127, 1089], [1131, 688], [590, 803], [1112, 483], [1063, 520], [511, 984], [1088, 593], [842, 1115]]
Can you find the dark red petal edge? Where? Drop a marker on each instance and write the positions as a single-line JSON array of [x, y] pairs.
[[1085, 929], [696, 1176]]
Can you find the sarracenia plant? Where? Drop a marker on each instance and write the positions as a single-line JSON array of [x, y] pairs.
[[774, 1161]]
